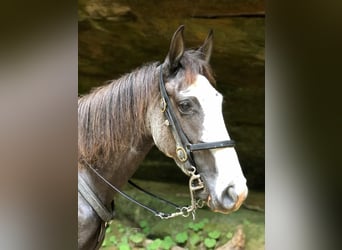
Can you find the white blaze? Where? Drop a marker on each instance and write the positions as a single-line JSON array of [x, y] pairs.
[[227, 164]]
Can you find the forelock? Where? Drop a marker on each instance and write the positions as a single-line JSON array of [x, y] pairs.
[[194, 65]]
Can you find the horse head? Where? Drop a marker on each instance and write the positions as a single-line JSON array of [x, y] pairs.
[[197, 108]]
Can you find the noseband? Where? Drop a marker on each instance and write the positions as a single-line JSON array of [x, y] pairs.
[[184, 147]]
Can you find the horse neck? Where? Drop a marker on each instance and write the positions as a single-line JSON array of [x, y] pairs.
[[118, 170], [119, 163]]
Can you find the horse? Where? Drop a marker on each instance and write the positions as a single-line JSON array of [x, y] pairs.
[[172, 105]]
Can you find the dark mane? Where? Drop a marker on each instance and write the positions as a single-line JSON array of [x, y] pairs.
[[112, 113]]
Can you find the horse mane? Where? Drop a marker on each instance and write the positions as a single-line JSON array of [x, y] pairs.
[[114, 112]]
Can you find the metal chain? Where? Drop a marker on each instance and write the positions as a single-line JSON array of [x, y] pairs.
[[195, 183]]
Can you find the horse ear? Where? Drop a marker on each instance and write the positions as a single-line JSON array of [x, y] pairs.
[[207, 46], [176, 49]]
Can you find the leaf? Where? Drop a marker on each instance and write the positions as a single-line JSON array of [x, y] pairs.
[[167, 243], [143, 224], [181, 237], [191, 225], [124, 246], [112, 239], [145, 227], [154, 245], [137, 238], [229, 235], [124, 239], [209, 243], [146, 230], [214, 234], [196, 226], [200, 225], [108, 230]]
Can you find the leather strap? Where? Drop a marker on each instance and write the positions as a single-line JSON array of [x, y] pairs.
[[89, 195], [211, 145]]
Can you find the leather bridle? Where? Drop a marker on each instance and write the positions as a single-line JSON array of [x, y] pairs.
[[184, 149]]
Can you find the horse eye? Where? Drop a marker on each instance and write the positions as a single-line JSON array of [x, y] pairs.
[[184, 106]]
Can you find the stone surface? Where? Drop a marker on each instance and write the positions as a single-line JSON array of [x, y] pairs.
[[106, 10], [236, 243]]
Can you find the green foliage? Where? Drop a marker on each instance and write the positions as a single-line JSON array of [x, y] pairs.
[[194, 236], [154, 245], [181, 237], [229, 235], [124, 246], [197, 226], [108, 230], [124, 239], [137, 238], [145, 226], [121, 228], [143, 223], [209, 243], [214, 234], [112, 240], [167, 243]]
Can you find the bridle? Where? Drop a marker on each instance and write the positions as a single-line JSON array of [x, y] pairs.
[[184, 149]]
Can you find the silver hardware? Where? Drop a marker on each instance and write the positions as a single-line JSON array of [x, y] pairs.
[[181, 154], [195, 183], [163, 105]]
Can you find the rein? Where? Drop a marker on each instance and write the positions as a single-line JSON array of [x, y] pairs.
[[195, 183]]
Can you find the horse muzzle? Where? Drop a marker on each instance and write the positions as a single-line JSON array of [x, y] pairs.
[[228, 201]]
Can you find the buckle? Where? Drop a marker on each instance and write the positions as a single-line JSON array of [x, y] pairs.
[[181, 154], [163, 104]]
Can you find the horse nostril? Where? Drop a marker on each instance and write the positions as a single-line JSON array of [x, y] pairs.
[[229, 197], [230, 191]]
